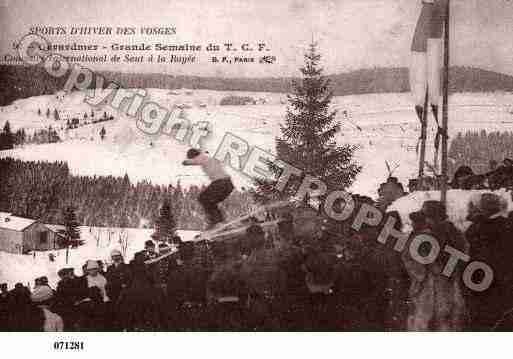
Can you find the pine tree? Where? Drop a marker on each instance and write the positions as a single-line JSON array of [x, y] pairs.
[[7, 138], [307, 139], [126, 181], [102, 133], [165, 224], [56, 115], [53, 136], [39, 112], [18, 137], [72, 232], [48, 112]]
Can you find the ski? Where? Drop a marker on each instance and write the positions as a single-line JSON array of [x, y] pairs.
[[241, 220], [237, 231], [156, 259]]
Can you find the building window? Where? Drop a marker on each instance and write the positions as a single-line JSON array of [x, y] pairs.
[[43, 237]]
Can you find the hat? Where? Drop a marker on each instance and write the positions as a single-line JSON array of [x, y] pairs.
[[92, 265], [193, 153], [115, 252], [176, 239], [490, 204], [474, 212], [65, 271], [463, 171], [417, 217], [42, 294], [430, 209], [149, 243], [139, 259], [164, 247]]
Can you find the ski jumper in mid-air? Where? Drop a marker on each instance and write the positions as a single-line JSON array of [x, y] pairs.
[[217, 191]]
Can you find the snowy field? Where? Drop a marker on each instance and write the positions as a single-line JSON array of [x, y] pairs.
[[384, 126], [25, 268]]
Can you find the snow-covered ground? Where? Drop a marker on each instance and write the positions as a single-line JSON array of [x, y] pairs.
[[25, 268], [384, 126]]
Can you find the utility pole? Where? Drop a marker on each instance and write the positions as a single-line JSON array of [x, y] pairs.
[[445, 106], [423, 135]]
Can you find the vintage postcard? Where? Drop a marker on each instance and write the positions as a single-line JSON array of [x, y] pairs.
[[255, 166]]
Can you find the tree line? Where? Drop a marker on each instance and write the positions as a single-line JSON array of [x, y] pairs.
[[480, 150], [43, 189], [9, 139], [23, 81]]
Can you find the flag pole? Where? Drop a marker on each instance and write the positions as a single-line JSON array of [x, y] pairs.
[[423, 135], [445, 106]]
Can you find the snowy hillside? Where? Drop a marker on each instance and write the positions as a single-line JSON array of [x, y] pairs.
[[384, 127], [25, 268]]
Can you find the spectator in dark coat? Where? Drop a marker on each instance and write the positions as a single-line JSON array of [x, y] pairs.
[[437, 301], [88, 304], [140, 305], [4, 300], [23, 316], [67, 295], [228, 295], [149, 250], [227, 291], [118, 276], [91, 310], [502, 176], [264, 277], [186, 290], [290, 261], [490, 237], [323, 308]]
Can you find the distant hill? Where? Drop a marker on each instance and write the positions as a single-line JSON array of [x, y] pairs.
[[21, 81]]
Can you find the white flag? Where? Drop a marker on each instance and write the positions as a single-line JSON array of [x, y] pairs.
[[425, 70]]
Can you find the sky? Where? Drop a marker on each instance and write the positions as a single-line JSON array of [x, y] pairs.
[[351, 34]]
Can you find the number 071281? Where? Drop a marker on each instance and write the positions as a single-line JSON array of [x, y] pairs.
[[68, 345]]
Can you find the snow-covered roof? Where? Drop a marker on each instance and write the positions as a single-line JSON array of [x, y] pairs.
[[55, 227], [15, 223]]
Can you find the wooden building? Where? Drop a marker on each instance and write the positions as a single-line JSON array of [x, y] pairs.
[[21, 235]]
